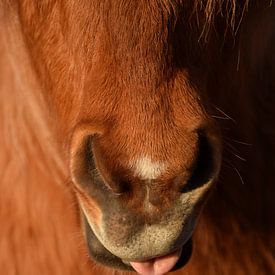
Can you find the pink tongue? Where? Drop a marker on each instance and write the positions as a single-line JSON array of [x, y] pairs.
[[157, 266]]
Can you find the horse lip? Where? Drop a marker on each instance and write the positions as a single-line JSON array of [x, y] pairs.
[[127, 261], [185, 254], [117, 262]]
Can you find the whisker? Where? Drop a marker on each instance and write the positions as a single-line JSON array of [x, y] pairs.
[[221, 117], [238, 60], [230, 118], [235, 169], [239, 157], [241, 142], [231, 149]]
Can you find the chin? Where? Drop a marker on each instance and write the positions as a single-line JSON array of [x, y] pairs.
[[103, 256]]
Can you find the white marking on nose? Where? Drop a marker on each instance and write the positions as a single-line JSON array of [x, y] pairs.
[[146, 169]]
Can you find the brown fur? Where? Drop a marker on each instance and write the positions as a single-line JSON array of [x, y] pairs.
[[47, 53]]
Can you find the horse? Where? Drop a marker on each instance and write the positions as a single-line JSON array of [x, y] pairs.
[[137, 136]]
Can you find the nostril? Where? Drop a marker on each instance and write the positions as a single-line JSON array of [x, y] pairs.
[[206, 165], [88, 165], [96, 167], [122, 186]]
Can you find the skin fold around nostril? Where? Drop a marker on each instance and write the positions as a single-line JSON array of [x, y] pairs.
[[206, 165]]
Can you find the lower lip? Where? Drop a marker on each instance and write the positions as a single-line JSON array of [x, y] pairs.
[[178, 251], [185, 255], [158, 265], [163, 264]]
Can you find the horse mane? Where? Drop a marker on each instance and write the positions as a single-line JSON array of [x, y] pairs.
[[40, 231], [38, 213], [232, 12]]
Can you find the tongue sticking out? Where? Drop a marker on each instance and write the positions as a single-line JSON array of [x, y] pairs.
[[157, 266]]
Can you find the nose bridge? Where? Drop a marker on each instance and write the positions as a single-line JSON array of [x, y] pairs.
[[151, 141]]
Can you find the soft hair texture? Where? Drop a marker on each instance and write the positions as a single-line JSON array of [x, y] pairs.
[[40, 230]]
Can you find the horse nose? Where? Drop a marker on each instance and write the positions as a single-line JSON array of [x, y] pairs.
[[132, 226], [203, 169]]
